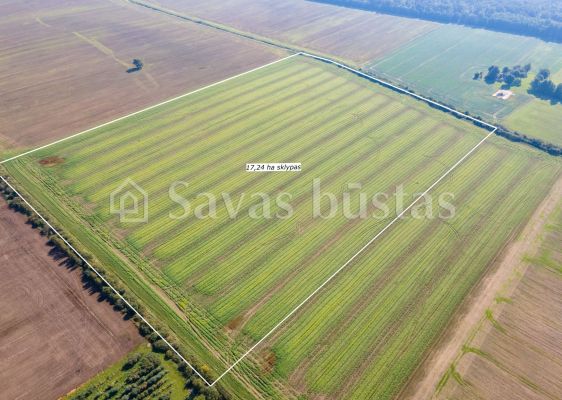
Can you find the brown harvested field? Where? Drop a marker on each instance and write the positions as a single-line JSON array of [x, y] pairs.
[[514, 352], [352, 35], [54, 334], [63, 64]]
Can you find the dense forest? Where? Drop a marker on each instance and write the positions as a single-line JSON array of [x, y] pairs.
[[539, 18]]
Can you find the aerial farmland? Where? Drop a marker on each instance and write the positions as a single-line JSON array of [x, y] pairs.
[[38, 298], [235, 278], [466, 52], [276, 200], [412, 57], [305, 25]]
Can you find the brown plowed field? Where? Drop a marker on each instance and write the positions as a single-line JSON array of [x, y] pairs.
[[514, 351], [64, 64], [354, 35], [54, 334]]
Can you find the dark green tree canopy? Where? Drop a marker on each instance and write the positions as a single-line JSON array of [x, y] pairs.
[[539, 18]]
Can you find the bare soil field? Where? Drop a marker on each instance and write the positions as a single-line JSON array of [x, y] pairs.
[[353, 35], [514, 351], [54, 334], [64, 64], [422, 385]]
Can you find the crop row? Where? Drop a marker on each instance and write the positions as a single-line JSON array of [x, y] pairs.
[[374, 322]]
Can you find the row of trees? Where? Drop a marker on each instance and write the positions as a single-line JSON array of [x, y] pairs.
[[539, 18], [543, 87], [145, 378]]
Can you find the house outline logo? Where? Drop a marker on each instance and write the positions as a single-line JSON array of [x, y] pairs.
[[126, 201]]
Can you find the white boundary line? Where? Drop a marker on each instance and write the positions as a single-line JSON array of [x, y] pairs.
[[104, 280], [355, 256], [385, 83], [331, 277], [148, 108]]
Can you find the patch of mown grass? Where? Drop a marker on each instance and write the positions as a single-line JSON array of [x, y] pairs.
[[502, 299], [474, 350], [495, 323]]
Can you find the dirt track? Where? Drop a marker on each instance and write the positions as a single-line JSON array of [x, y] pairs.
[[518, 351], [424, 381], [54, 334]]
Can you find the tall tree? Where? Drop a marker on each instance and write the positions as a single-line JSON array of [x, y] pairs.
[[493, 73]]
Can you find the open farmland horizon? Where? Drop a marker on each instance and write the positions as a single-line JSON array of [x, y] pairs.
[[436, 60], [304, 25], [443, 63], [225, 282]]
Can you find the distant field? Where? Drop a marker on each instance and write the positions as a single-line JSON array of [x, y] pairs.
[[435, 60], [442, 63], [515, 351], [234, 279], [63, 64], [351, 35], [539, 118], [54, 333]]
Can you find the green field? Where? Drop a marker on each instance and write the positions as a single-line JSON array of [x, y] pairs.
[[442, 63], [219, 284], [159, 378], [538, 118], [516, 331]]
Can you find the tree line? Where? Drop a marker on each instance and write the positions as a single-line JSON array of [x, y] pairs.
[[538, 18], [61, 252]]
